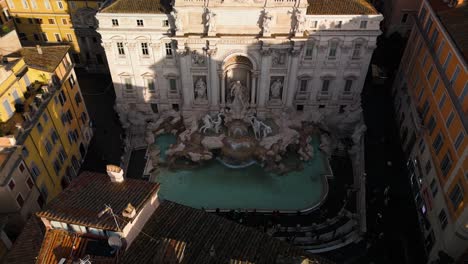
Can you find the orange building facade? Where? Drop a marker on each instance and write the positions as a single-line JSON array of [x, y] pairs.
[[431, 105]]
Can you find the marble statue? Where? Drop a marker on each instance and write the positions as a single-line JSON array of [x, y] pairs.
[[207, 124], [261, 130], [358, 132], [218, 122], [197, 59], [237, 93], [210, 21], [177, 23], [200, 89], [300, 20], [266, 20], [276, 89]]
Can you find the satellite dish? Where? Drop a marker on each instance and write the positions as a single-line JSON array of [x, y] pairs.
[[115, 242]]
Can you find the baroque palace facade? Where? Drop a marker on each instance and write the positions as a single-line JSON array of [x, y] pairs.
[[192, 55]]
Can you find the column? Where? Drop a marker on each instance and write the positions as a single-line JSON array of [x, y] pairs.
[[291, 91], [185, 78], [222, 75], [264, 88], [253, 89], [214, 83]]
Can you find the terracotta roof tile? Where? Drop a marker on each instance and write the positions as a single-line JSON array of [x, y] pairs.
[[179, 234], [138, 6], [340, 7], [456, 23], [27, 245], [88, 194], [60, 244], [49, 59]]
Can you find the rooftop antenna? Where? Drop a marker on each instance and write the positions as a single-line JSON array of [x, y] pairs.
[[109, 209], [85, 260]]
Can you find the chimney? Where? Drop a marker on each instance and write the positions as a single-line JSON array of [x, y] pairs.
[[39, 49], [129, 211], [115, 173]]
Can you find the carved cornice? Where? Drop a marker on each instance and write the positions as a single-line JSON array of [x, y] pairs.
[[265, 51]]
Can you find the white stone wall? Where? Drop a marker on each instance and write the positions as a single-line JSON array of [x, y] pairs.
[[238, 31]]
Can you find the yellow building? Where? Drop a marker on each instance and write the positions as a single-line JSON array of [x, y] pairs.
[[43, 114], [65, 22], [431, 97]]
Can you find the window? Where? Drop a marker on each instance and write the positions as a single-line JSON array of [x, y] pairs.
[[51, 21], [357, 51], [429, 73], [54, 137], [154, 107], [446, 164], [424, 59], [30, 183], [44, 37], [11, 184], [434, 36], [128, 85], [404, 18], [438, 142], [45, 117], [449, 119], [57, 37], [300, 108], [48, 146], [455, 75], [309, 51], [422, 146], [434, 187], [443, 219], [21, 167], [422, 15], [60, 4], [338, 24], [442, 100], [425, 109], [72, 4], [447, 61], [64, 21], [459, 140], [39, 127], [25, 4], [348, 86], [120, 48], [436, 84], [78, 99], [363, 24], [36, 37], [150, 86], [57, 166], [20, 200], [172, 85], [59, 225], [35, 170], [441, 46], [462, 96], [428, 167], [115, 22], [144, 49], [313, 24], [303, 85], [22, 36], [62, 155], [428, 25], [333, 48], [8, 108], [165, 23], [47, 4], [456, 196], [139, 22], [78, 228], [25, 152], [62, 98], [168, 49], [71, 80], [84, 117], [431, 124], [11, 4], [325, 86]]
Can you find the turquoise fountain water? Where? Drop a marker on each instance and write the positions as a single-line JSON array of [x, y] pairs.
[[214, 185]]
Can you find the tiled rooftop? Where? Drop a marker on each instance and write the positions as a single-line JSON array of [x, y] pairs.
[[179, 234], [137, 6], [340, 7], [27, 245], [455, 21], [47, 61], [88, 194]]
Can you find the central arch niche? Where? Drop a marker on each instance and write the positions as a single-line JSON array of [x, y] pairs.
[[237, 68]]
